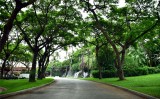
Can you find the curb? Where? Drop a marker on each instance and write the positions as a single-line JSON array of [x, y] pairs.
[[24, 91], [145, 96]]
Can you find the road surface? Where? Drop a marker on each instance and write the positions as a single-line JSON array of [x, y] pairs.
[[65, 88]]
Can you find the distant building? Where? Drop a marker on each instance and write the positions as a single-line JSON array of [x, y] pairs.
[[19, 69], [15, 70]]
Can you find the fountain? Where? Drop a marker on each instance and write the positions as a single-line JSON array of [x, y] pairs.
[[77, 74], [84, 75]]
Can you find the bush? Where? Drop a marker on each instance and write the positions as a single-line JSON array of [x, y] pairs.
[[109, 73], [10, 77], [95, 73], [22, 78], [105, 74], [130, 72], [158, 66], [141, 71], [137, 71], [153, 70]]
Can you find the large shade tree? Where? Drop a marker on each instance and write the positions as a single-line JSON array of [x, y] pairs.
[[10, 10], [123, 27], [9, 50], [96, 39], [52, 22]]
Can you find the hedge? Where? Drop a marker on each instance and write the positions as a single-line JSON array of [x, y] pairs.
[[136, 71], [145, 70], [105, 74]]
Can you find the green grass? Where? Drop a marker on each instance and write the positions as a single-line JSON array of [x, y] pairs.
[[21, 84], [148, 84]]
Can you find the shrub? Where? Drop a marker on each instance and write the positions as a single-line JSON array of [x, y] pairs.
[[158, 66], [105, 74], [10, 77], [95, 73], [130, 72], [109, 73], [137, 71], [22, 78], [153, 70], [141, 71]]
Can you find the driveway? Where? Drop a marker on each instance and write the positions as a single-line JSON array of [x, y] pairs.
[[65, 88]]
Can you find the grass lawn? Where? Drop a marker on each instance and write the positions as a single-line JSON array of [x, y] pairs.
[[148, 84], [20, 84]]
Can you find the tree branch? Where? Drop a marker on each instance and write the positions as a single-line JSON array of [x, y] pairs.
[[143, 33], [25, 37]]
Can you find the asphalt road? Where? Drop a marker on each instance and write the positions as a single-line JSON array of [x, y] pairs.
[[76, 89]]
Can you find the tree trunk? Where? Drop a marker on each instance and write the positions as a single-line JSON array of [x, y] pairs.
[[33, 69], [119, 63], [2, 69], [44, 67], [40, 72], [40, 62], [100, 72], [43, 72], [8, 26], [150, 59], [99, 67], [4, 64], [120, 73], [41, 66]]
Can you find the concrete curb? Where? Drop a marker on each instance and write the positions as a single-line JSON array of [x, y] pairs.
[[23, 91], [145, 96]]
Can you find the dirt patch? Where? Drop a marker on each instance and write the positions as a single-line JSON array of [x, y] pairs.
[[2, 89]]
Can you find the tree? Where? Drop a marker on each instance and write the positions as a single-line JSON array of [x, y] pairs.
[[9, 23], [152, 49], [123, 27], [8, 50], [62, 36], [106, 57], [44, 58], [97, 40], [34, 41], [48, 27], [23, 55]]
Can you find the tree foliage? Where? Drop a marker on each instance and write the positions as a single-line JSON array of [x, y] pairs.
[[49, 25]]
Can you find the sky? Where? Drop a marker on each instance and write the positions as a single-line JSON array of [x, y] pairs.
[[121, 3]]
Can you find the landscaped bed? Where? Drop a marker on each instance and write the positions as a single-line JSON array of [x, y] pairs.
[[21, 84], [2, 89], [148, 84]]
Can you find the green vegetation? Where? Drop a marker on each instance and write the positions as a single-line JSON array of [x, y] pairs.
[[123, 38], [128, 72], [148, 84], [21, 84]]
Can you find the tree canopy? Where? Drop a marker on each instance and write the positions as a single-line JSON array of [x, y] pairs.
[[38, 28]]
